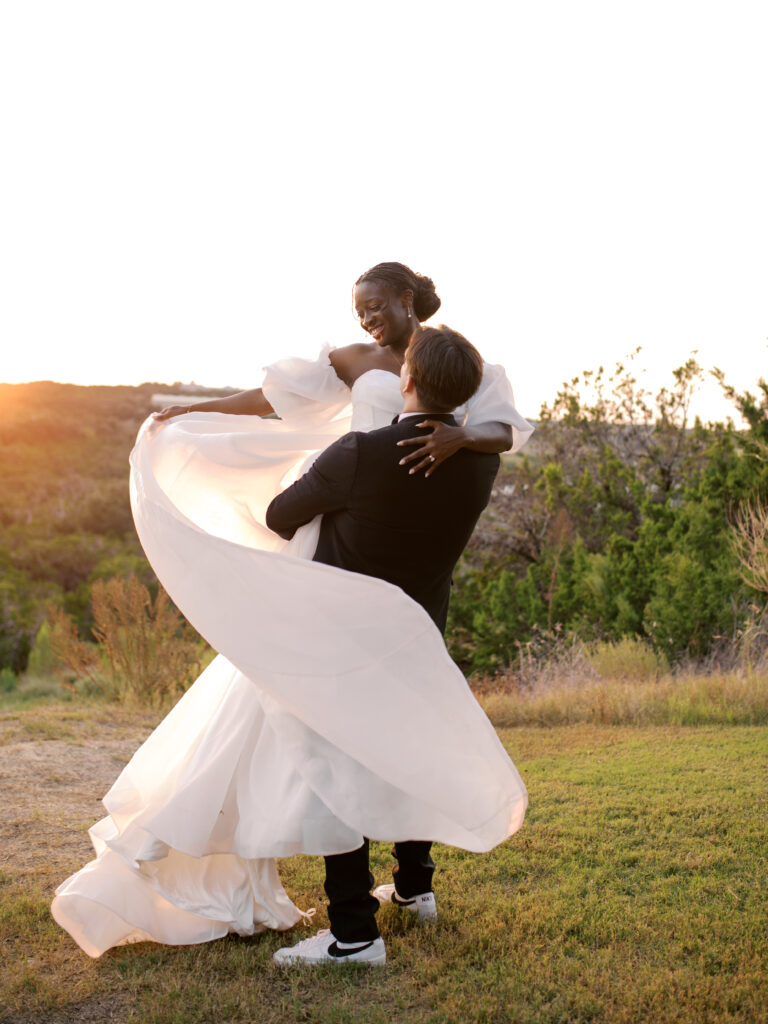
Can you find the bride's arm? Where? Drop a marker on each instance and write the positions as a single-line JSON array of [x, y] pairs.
[[445, 441], [348, 363], [244, 403]]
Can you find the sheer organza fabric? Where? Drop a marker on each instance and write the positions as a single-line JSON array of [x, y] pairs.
[[333, 711]]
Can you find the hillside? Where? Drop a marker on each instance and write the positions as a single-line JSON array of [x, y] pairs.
[[615, 521], [65, 517]]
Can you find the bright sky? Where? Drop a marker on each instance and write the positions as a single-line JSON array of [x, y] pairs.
[[191, 188]]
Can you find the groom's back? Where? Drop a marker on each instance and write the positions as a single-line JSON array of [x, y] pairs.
[[405, 528]]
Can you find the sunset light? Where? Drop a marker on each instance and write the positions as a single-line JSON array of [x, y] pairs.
[[191, 190], [383, 511]]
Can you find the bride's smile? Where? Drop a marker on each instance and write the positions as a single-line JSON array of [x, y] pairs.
[[383, 314]]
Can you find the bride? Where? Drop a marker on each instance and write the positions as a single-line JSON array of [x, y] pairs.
[[284, 744]]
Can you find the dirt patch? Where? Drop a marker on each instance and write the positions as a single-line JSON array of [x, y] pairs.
[[46, 785], [56, 764], [107, 1009]]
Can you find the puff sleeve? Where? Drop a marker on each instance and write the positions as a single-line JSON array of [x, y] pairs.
[[307, 393], [495, 401]]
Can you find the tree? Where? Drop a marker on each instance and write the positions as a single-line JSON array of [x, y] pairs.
[[618, 524]]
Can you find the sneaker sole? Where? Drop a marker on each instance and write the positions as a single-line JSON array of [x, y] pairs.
[[300, 961]]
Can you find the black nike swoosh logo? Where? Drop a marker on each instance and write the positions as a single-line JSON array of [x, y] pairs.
[[402, 903], [333, 949]]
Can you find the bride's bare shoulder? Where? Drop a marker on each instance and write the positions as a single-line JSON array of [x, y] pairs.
[[351, 361]]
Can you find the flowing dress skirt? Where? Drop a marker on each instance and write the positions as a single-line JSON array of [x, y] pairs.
[[333, 712]]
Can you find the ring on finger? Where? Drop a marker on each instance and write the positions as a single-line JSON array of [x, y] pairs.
[[431, 458]]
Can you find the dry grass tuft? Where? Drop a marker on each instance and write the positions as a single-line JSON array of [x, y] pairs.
[[144, 652], [749, 542], [627, 660], [624, 683]]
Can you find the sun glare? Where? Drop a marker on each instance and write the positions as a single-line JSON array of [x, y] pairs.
[[201, 232]]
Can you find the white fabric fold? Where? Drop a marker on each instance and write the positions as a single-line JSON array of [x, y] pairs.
[[333, 712]]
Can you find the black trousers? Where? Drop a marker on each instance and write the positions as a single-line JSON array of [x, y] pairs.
[[348, 884]]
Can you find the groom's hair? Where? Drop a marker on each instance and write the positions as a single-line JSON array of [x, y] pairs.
[[445, 368]]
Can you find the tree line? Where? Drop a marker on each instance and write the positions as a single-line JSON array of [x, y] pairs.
[[620, 518]]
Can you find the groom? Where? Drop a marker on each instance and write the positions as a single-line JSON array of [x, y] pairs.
[[409, 529]]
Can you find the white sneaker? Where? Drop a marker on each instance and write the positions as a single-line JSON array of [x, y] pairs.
[[324, 948], [424, 905]]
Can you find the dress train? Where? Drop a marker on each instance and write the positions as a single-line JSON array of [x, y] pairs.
[[292, 740]]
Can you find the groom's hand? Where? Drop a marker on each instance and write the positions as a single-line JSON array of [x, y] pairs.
[[434, 448]]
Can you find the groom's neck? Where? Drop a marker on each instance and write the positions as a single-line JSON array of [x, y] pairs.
[[414, 404]]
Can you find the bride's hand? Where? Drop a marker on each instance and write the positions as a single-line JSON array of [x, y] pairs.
[[169, 411], [441, 444]]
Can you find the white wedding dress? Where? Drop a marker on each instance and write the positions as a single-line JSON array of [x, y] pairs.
[[333, 712]]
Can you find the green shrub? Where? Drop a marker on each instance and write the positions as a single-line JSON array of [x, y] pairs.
[[619, 524], [42, 661], [8, 680]]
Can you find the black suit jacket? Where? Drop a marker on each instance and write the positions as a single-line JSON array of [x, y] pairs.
[[381, 521]]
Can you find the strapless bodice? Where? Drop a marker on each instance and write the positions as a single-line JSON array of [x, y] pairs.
[[376, 400]]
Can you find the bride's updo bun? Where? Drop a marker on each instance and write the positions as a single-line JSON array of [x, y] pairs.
[[426, 301]]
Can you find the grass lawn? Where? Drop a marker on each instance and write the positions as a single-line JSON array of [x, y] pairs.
[[636, 891]]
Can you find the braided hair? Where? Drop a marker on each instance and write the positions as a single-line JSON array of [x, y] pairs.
[[426, 301]]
